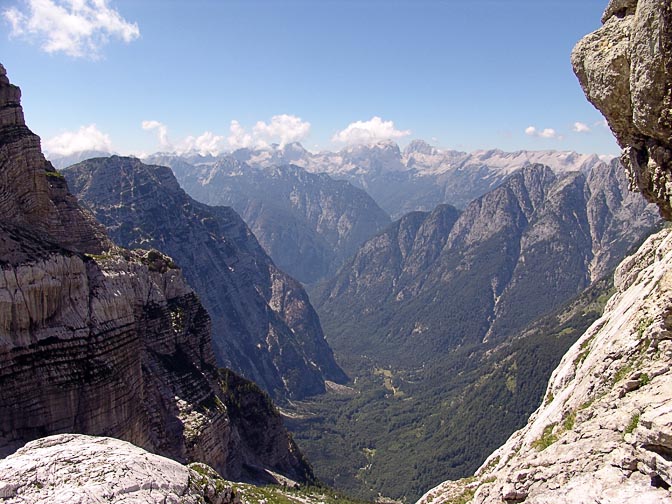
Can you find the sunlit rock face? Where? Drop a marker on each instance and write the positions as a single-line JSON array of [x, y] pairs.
[[85, 469], [625, 69]]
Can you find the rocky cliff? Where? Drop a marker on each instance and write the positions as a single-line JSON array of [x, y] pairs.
[[625, 69], [263, 324], [603, 431], [308, 223], [100, 340]]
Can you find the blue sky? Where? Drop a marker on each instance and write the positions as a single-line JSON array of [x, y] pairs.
[[139, 76]]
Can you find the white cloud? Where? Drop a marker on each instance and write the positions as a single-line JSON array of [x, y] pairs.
[[79, 28], [282, 129], [86, 138], [580, 127], [239, 138], [161, 131], [207, 143], [545, 133], [367, 132]]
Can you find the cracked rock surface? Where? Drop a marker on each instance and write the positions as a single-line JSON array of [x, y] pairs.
[[625, 70], [71, 468]]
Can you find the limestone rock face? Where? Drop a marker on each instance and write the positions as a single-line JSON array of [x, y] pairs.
[[603, 431], [99, 340], [32, 192], [625, 69], [263, 323], [74, 468]]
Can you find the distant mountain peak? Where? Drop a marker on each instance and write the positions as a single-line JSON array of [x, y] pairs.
[[419, 147]]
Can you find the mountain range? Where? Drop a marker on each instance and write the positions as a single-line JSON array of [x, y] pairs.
[[308, 223], [449, 320], [263, 325], [421, 176], [434, 281]]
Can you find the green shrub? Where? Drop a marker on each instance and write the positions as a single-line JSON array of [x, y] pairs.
[[547, 438], [632, 425]]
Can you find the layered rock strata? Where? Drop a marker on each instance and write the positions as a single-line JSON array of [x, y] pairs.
[[100, 340], [625, 69]]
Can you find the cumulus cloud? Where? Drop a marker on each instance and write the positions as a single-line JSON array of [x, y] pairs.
[[580, 127], [367, 132], [545, 133], [85, 138], [207, 143], [239, 138], [282, 129], [78, 28], [161, 132]]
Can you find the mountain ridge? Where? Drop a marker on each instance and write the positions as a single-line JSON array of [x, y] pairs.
[[308, 223], [264, 326]]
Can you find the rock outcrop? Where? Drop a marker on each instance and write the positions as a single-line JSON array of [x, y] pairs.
[[603, 432], [625, 69], [263, 325], [100, 340], [76, 468]]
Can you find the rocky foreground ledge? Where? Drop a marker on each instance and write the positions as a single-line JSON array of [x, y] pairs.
[[604, 431], [71, 468]]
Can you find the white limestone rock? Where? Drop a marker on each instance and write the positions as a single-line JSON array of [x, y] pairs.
[[70, 468]]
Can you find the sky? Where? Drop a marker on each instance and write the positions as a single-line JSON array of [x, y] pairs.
[[140, 76]]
